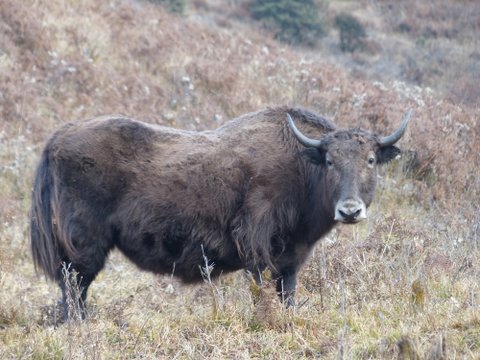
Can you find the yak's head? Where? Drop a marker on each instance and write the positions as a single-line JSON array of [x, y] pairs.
[[349, 159]]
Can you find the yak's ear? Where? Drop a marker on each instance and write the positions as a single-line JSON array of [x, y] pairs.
[[314, 155], [387, 153]]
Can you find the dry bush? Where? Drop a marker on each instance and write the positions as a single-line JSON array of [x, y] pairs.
[[451, 19], [23, 34], [443, 35]]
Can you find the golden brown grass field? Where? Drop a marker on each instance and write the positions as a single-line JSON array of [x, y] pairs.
[[404, 284]]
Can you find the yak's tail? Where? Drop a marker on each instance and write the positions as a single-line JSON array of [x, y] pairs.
[[47, 249]]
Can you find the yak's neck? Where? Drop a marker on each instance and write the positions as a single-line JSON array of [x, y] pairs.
[[319, 209]]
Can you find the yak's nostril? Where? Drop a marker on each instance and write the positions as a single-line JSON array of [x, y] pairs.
[[350, 215]]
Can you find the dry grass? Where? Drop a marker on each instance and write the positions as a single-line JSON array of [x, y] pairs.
[[446, 37], [404, 283]]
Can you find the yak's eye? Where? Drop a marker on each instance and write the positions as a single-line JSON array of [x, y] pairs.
[[371, 161], [329, 163]]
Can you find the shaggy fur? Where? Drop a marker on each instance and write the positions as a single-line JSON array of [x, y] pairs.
[[247, 195]]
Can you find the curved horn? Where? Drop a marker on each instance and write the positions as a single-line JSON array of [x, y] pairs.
[[393, 138], [306, 141]]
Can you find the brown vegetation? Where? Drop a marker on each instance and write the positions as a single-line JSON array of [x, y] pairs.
[[68, 60], [426, 43]]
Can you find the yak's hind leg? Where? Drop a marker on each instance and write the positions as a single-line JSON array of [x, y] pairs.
[[75, 277], [74, 286]]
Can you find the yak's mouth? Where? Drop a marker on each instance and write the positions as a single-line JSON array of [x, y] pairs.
[[351, 222]]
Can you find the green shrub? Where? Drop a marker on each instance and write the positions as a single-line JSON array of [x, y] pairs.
[[352, 33], [175, 6], [293, 20]]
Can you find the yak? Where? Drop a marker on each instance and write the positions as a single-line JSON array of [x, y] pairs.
[[256, 193]]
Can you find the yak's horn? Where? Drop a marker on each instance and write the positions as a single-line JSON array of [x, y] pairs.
[[393, 138], [304, 140]]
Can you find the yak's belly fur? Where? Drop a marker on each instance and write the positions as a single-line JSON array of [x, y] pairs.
[[178, 248]]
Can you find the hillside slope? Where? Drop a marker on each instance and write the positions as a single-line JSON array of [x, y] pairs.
[[408, 278]]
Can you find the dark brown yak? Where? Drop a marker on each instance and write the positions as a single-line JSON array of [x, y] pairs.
[[255, 193]]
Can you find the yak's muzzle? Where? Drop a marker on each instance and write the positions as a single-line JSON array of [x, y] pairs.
[[350, 211]]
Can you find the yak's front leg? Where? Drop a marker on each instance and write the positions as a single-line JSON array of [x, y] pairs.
[[255, 272], [286, 284]]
